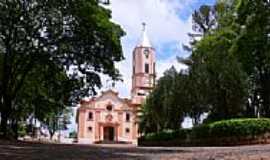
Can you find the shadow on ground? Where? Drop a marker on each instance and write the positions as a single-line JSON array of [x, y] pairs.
[[36, 151]]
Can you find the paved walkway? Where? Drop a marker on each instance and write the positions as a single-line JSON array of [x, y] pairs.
[[32, 151]]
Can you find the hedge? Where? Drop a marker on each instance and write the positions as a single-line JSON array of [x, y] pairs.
[[233, 128], [221, 129], [167, 135]]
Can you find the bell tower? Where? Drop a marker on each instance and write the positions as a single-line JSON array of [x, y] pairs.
[[143, 68]]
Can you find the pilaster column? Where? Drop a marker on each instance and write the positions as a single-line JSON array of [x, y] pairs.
[[120, 127], [81, 123]]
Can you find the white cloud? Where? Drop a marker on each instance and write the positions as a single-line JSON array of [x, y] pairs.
[[163, 65], [164, 27], [160, 15]]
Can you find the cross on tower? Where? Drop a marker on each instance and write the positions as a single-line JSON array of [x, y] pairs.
[[144, 26]]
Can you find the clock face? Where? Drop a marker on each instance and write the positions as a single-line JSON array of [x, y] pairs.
[[146, 52]]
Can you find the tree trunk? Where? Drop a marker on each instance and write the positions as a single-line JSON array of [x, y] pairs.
[[51, 134], [15, 129], [196, 120], [265, 93], [4, 120], [5, 115]]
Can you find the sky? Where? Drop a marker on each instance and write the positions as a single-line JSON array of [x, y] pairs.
[[168, 22]]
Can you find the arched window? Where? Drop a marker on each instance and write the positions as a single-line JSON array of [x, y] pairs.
[[146, 67], [127, 117], [90, 116]]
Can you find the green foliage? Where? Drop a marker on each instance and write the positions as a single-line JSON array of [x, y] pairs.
[[51, 54], [241, 128], [204, 21], [229, 69], [168, 135], [233, 128], [229, 64], [200, 131], [73, 134], [216, 83], [22, 130], [163, 108], [252, 47], [226, 83]]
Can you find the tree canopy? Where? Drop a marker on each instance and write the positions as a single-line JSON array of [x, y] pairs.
[[51, 54], [228, 73]]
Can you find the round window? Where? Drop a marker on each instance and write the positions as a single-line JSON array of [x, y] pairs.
[[109, 107]]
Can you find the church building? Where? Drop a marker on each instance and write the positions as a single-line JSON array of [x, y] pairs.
[[111, 119]]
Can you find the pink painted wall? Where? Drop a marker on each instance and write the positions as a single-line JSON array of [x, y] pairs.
[[100, 118], [140, 79]]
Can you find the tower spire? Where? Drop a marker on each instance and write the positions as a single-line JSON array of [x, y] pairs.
[[144, 42]]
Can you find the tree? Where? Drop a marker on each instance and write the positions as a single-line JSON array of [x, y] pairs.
[[163, 109], [196, 91], [147, 117], [217, 82], [226, 81], [75, 39], [56, 121], [204, 20], [252, 48]]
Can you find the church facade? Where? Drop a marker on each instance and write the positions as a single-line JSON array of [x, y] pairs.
[[110, 118]]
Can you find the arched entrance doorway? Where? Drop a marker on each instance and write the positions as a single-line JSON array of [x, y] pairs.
[[109, 133]]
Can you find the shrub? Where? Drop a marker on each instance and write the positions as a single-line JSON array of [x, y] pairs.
[[167, 135], [21, 130], [239, 127], [181, 133], [201, 131], [247, 127]]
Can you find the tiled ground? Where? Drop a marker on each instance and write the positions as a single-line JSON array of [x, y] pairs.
[[32, 151]]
